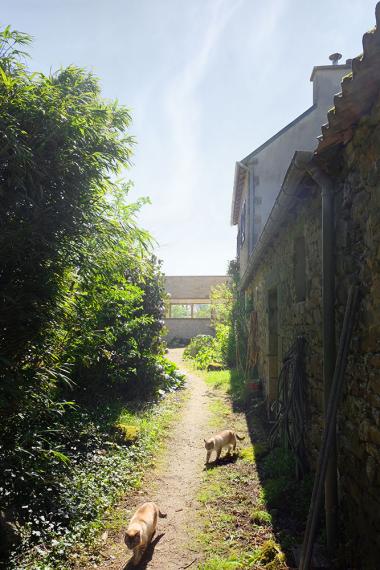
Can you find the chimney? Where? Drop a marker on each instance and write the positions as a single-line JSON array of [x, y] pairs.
[[327, 79], [335, 57]]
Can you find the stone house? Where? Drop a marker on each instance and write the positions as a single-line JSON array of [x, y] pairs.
[[259, 175], [188, 306], [282, 281]]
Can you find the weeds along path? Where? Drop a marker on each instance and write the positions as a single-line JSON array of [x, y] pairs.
[[173, 485], [236, 524]]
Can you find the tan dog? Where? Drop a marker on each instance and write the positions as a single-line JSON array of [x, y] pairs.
[[141, 529], [226, 438]]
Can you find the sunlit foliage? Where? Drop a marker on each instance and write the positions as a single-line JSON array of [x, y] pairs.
[[81, 294]]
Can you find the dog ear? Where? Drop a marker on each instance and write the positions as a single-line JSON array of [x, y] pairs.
[[205, 440]]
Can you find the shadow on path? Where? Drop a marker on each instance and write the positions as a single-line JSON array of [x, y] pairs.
[[225, 460], [148, 555]]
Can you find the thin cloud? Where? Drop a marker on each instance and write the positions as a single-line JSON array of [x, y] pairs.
[[182, 107]]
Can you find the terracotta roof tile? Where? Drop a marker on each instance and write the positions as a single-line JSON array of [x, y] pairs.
[[360, 88]]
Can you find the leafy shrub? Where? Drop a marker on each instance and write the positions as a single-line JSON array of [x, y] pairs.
[[222, 344], [202, 349], [81, 295], [205, 349], [68, 508], [197, 344], [222, 306]]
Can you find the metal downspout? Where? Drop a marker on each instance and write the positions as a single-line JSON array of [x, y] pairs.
[[304, 162]]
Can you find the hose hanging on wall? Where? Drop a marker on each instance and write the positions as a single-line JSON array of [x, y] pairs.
[[290, 407]]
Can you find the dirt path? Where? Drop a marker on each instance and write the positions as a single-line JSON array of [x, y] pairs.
[[173, 487]]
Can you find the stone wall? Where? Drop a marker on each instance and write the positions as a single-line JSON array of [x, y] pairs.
[[184, 287], [185, 329], [356, 170], [276, 271], [358, 255]]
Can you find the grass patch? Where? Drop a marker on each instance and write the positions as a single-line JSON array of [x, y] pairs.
[[210, 492], [254, 452], [269, 555], [220, 412], [261, 517], [281, 490], [233, 562], [247, 454], [230, 382], [218, 379], [262, 505], [233, 516]]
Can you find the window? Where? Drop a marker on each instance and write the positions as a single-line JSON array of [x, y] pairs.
[[242, 225], [300, 269], [189, 311], [202, 311], [180, 311]]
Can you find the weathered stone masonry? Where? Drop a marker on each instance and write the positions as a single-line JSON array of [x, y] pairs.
[[358, 254], [356, 171], [276, 271]]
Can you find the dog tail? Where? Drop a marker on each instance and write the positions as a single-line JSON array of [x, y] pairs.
[[240, 438], [162, 515]]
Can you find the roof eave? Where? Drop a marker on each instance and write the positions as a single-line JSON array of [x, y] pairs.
[[240, 172], [286, 198]]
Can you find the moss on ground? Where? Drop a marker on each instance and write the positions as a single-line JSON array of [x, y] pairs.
[[126, 433]]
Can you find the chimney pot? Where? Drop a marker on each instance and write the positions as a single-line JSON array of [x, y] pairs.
[[335, 57]]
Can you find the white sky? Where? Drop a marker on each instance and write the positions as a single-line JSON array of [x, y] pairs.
[[207, 81]]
